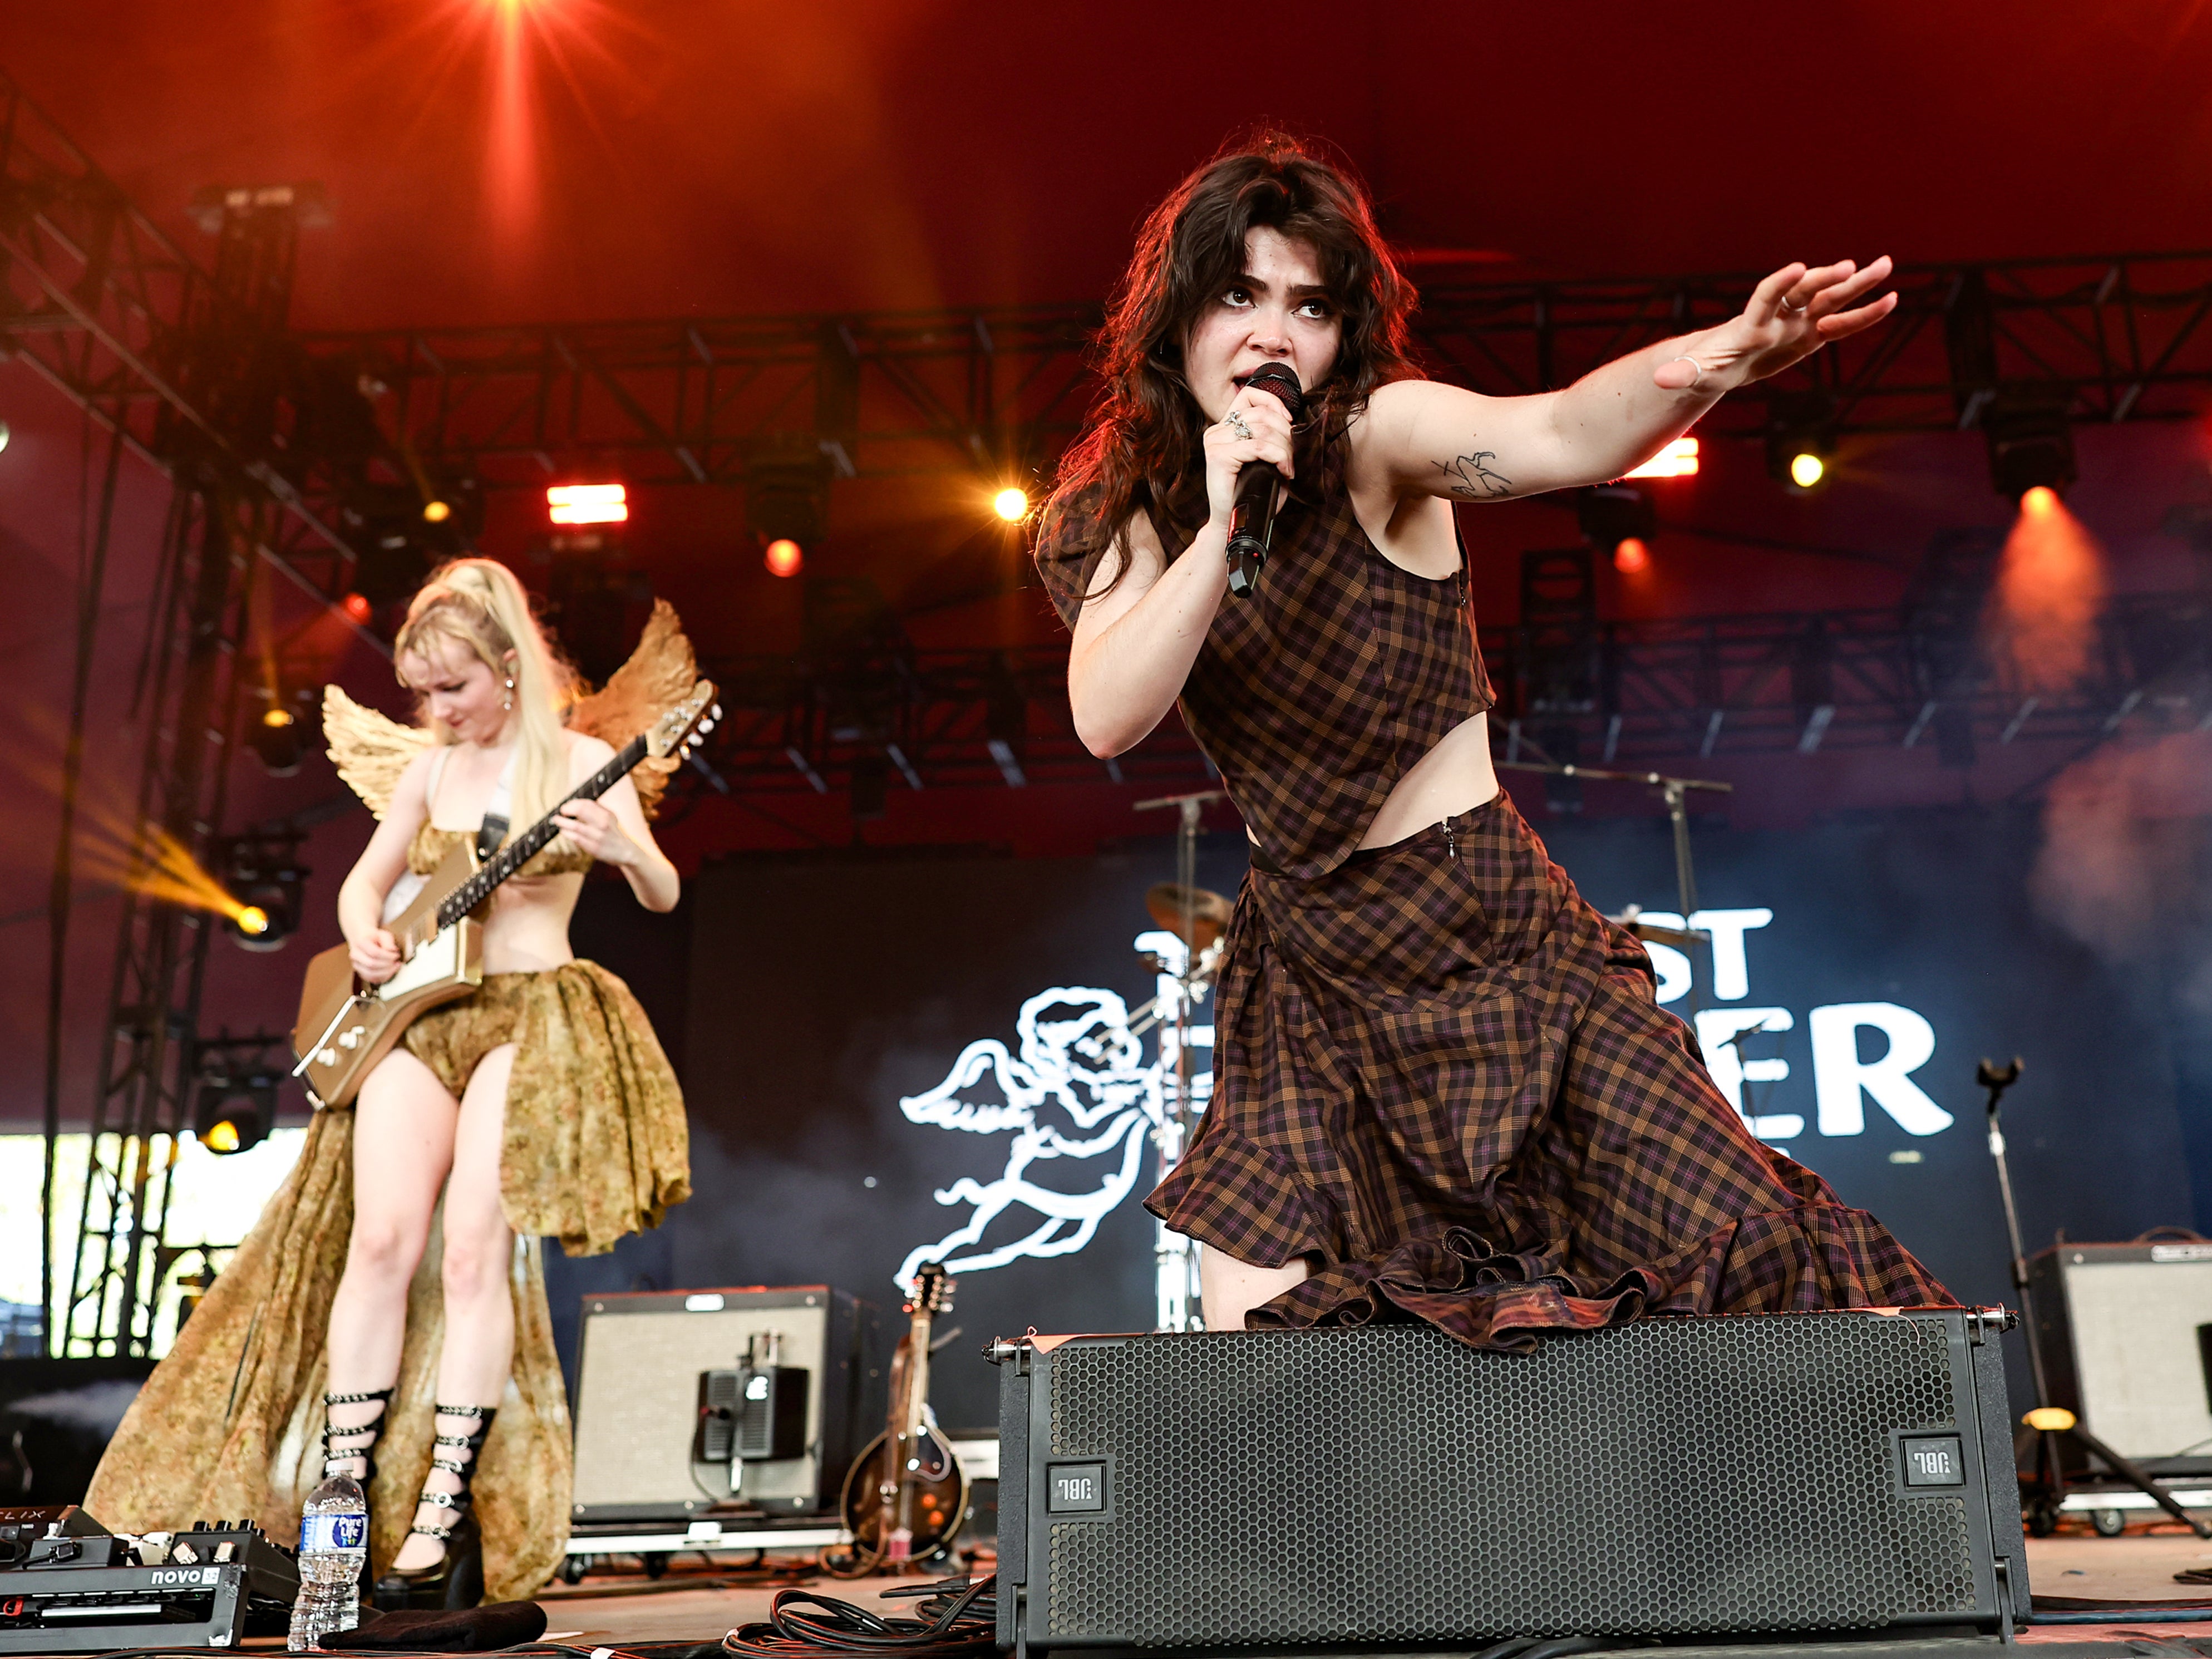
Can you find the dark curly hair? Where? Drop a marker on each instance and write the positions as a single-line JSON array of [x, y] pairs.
[[1144, 445]]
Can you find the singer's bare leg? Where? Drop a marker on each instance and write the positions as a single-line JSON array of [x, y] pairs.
[[1228, 1289]]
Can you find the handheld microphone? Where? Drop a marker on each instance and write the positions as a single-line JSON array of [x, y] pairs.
[[1252, 513]]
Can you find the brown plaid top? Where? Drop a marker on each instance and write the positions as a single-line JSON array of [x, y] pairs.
[[1315, 695]]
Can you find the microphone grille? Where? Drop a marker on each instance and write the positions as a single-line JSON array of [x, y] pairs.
[[1282, 380]]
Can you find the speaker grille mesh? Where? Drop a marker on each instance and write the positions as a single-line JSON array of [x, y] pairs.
[[1388, 1485]]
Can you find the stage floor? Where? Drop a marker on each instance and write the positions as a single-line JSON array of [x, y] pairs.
[[612, 1610]]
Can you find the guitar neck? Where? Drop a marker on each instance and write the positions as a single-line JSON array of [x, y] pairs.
[[534, 840]]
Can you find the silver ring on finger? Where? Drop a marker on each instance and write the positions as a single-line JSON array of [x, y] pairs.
[[1792, 310], [1234, 420]]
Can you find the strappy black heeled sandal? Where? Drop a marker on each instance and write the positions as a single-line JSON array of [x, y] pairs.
[[334, 1453], [455, 1583]]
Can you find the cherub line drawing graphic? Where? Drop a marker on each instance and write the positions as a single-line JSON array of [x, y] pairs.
[[1076, 1088]]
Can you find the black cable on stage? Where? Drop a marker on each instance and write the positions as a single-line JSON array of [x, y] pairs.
[[957, 1617]]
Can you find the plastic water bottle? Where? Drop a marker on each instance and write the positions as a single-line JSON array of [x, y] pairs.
[[333, 1540]]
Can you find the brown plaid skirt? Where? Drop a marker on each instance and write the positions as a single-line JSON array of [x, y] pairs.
[[1441, 1077]]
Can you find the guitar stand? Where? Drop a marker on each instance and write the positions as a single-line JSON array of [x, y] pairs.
[[2048, 1424]]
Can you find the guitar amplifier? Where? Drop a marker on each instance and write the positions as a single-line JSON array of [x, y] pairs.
[[655, 1442], [1386, 1487], [2125, 1331]]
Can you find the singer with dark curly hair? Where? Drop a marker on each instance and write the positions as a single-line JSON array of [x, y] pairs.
[[1443, 1089]]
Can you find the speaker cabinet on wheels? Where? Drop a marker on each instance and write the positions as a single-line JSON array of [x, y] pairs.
[[647, 1366], [1385, 1486]]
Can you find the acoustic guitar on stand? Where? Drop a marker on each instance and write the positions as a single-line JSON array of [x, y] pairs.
[[346, 1026]]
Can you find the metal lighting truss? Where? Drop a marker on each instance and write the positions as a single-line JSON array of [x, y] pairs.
[[700, 400], [193, 368], [1647, 690]]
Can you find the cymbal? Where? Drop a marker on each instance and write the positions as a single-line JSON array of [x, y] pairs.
[[1209, 911]]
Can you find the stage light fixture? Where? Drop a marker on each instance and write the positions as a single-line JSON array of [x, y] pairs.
[[1807, 468], [357, 606], [1632, 555], [1613, 513], [1677, 461], [234, 1114], [435, 512], [1011, 504], [2031, 446], [266, 877], [279, 737], [783, 557], [598, 503]]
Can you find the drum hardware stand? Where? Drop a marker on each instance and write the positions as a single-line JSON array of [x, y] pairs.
[[1676, 793], [2048, 1422], [1175, 1257]]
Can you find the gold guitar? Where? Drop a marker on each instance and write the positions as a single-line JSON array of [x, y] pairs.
[[347, 1025]]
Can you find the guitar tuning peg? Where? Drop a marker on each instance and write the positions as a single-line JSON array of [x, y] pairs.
[[714, 713]]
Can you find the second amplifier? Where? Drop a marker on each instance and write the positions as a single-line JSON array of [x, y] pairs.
[[688, 1401]]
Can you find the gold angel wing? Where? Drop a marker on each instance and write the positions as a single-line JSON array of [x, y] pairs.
[[660, 673], [370, 750]]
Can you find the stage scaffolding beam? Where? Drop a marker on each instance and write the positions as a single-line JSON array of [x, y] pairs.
[[997, 392], [193, 370], [1659, 690]]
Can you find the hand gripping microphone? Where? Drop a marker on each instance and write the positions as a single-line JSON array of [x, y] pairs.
[[1252, 515]]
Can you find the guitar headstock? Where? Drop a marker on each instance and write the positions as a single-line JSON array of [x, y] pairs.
[[932, 1289], [678, 731]]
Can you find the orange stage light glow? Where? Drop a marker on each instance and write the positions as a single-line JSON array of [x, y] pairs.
[[2051, 588], [276, 717], [1631, 556], [607, 503], [1677, 461], [357, 607], [1011, 504], [223, 1138], [783, 557]]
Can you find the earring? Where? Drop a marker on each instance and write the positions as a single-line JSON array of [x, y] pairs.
[[508, 701]]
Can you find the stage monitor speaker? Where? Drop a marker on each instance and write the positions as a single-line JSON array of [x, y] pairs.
[[1385, 1486], [640, 1363], [2122, 1329]]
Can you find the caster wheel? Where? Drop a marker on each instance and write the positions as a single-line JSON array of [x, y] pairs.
[[656, 1565], [2042, 1518], [2109, 1523], [572, 1570]]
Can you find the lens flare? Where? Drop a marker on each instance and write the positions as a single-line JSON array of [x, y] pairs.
[[1807, 468], [1632, 555], [2051, 589], [1011, 504], [783, 557]]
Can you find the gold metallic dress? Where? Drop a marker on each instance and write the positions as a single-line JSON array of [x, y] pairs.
[[230, 1424]]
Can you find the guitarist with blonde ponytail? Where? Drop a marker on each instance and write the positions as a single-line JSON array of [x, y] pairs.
[[540, 1103]]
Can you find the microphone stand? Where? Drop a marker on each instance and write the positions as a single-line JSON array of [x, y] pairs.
[[2047, 1422], [1174, 1257]]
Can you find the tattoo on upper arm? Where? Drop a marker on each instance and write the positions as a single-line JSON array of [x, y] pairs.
[[1476, 476]]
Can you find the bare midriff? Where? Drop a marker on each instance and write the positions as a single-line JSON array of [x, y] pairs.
[[1455, 776], [526, 921]]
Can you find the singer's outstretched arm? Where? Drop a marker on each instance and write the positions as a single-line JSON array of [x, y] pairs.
[[1425, 438]]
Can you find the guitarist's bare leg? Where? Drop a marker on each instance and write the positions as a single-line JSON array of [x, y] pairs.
[[402, 1144], [478, 1353]]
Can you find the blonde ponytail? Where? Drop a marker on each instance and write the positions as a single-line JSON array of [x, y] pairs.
[[478, 606]]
